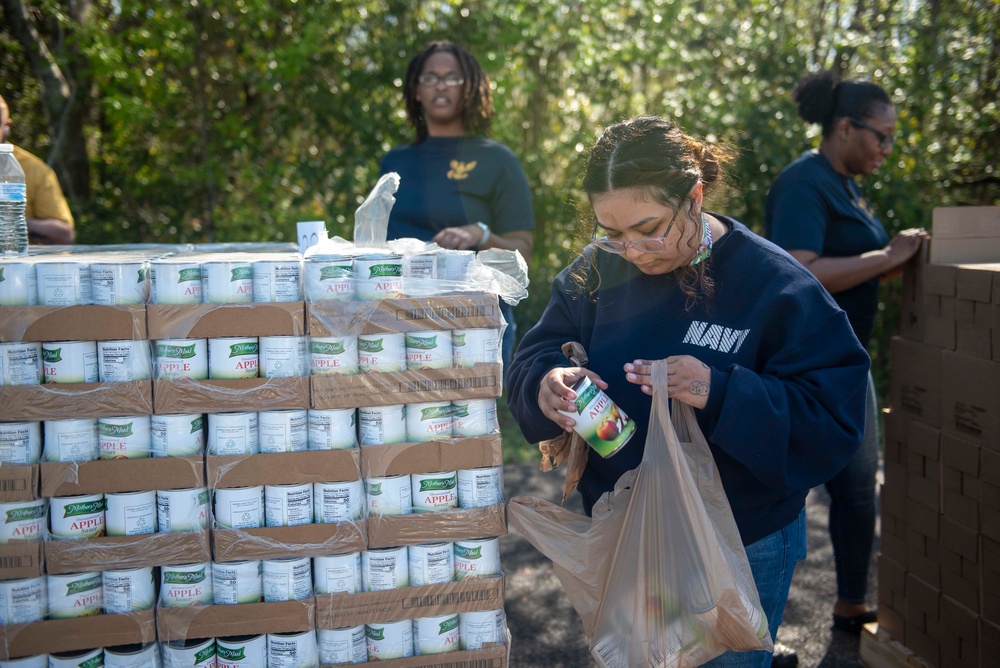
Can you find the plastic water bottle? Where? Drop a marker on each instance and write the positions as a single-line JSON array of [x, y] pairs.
[[13, 224]]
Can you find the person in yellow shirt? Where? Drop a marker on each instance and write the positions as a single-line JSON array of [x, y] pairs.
[[49, 218]]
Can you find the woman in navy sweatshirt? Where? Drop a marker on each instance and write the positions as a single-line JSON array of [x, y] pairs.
[[752, 340]]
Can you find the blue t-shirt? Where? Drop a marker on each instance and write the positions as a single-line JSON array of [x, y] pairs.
[[786, 407], [454, 181], [812, 207]]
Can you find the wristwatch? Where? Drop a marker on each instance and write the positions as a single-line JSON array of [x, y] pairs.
[[486, 232]]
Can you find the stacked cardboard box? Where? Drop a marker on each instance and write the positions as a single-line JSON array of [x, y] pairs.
[[937, 573]]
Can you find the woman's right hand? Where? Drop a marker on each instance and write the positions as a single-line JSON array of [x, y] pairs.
[[905, 245], [555, 393]]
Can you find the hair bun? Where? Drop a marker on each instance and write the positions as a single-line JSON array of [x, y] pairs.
[[815, 96]]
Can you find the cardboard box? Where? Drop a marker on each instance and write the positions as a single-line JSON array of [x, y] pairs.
[[115, 552], [989, 643], [304, 540], [960, 577], [975, 281], [472, 310], [892, 597], [18, 483], [283, 468], [940, 279], [969, 391], [20, 560], [490, 656], [923, 541], [216, 621], [72, 323], [989, 522], [990, 578], [941, 332], [959, 634], [121, 475], [484, 381], [210, 321], [431, 456], [915, 380], [76, 400], [965, 310], [914, 303], [965, 234], [893, 533], [924, 464], [974, 340], [996, 332], [895, 427], [335, 611], [983, 314], [961, 488], [67, 635], [186, 395], [417, 528], [923, 619], [948, 307]]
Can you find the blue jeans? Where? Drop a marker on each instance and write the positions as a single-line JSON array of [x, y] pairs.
[[852, 511], [772, 562]]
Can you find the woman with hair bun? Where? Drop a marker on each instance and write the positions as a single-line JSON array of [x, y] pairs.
[[817, 213], [752, 341]]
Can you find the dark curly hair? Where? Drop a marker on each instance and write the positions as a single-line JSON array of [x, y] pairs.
[[477, 106], [823, 98]]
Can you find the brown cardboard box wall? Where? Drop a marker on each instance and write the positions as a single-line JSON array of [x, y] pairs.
[[923, 541], [121, 475], [962, 487], [66, 635], [117, 552], [209, 321], [959, 634], [484, 381], [473, 310], [960, 576], [22, 560], [893, 535], [969, 391], [892, 597], [212, 621], [923, 619], [989, 643], [965, 234], [18, 483], [990, 493], [915, 380], [990, 575], [915, 306]]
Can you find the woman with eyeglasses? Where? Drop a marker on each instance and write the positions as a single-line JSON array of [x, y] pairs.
[[458, 188], [816, 211], [752, 341]]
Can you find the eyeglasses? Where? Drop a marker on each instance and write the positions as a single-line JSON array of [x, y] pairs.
[[656, 245], [451, 80], [885, 141]]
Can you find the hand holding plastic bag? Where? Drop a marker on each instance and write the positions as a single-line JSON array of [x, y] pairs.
[[659, 575]]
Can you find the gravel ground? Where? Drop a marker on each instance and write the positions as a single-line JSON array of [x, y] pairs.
[[546, 631]]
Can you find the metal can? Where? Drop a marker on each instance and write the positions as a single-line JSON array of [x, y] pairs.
[[239, 507], [182, 509], [329, 355], [474, 417], [385, 569], [79, 516], [329, 278], [480, 628], [384, 352], [288, 505], [277, 279], [332, 429], [599, 421], [241, 652], [186, 585], [292, 650], [181, 358], [175, 282], [123, 361], [69, 361], [86, 657], [23, 601], [382, 425], [389, 640], [434, 492], [477, 558], [428, 349], [420, 274], [20, 443], [338, 501], [233, 433], [133, 656], [233, 357], [129, 590], [431, 564], [75, 595], [130, 513], [470, 347], [180, 435], [430, 421], [18, 285], [35, 661], [453, 265], [389, 495], [435, 635], [114, 283], [287, 579], [237, 582], [337, 574], [227, 281], [378, 276], [124, 437], [481, 487], [20, 363], [23, 521], [194, 652], [283, 430], [74, 440], [345, 645], [63, 283], [283, 356]]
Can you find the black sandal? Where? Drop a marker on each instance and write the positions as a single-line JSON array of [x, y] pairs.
[[853, 625]]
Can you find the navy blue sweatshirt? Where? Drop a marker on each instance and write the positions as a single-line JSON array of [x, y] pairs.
[[786, 409]]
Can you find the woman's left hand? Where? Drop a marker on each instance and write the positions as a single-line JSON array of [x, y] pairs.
[[688, 378], [459, 238]]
